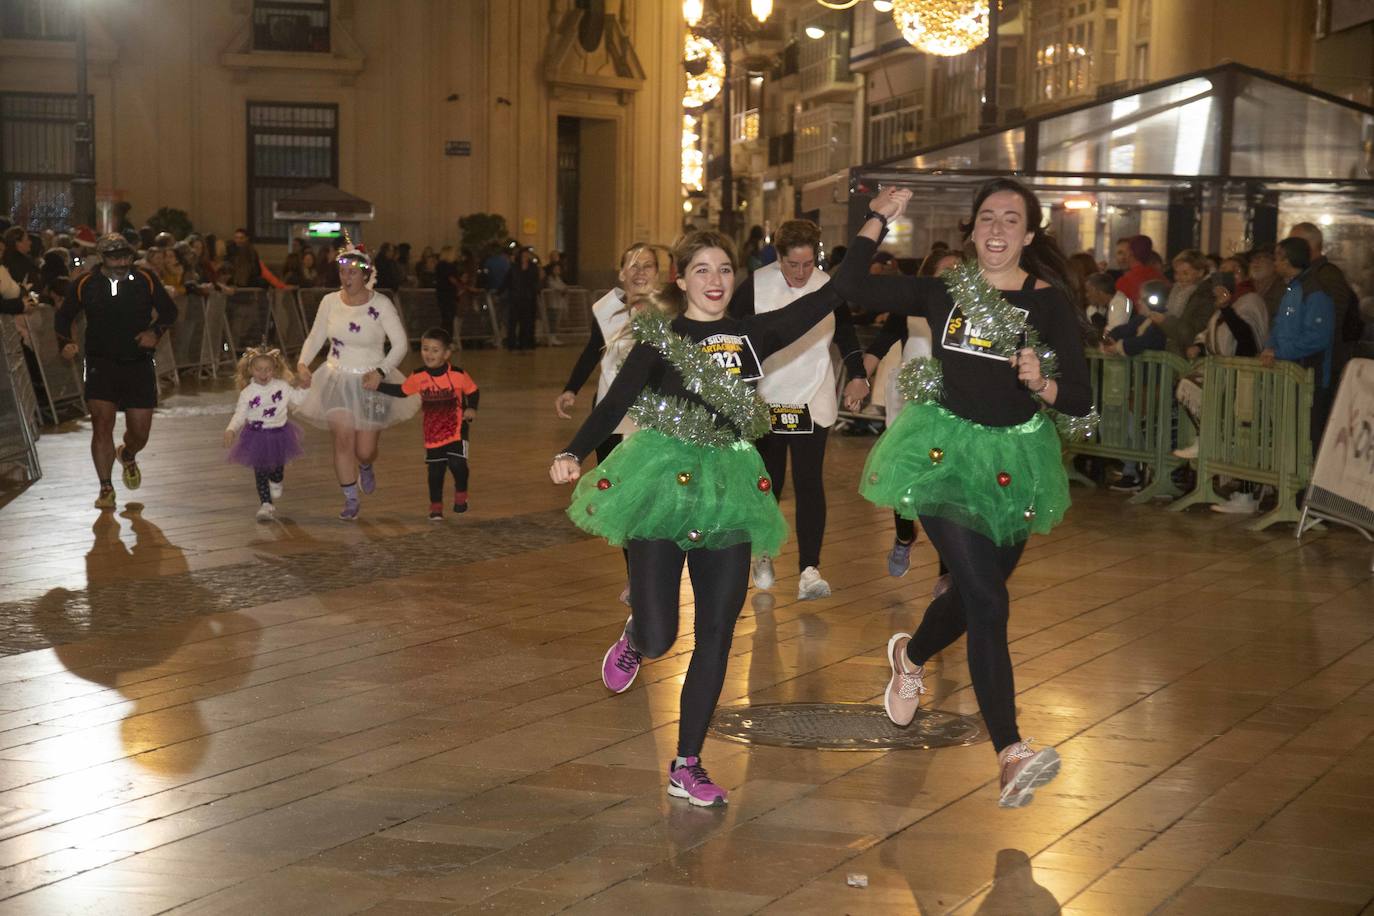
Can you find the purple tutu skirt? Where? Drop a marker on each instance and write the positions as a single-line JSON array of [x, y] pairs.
[[267, 448]]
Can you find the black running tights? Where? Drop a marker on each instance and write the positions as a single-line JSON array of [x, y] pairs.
[[262, 476], [455, 463], [720, 579], [808, 483], [977, 604]]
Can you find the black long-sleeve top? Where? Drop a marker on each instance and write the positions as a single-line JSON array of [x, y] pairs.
[[892, 331], [116, 313], [978, 388], [742, 306], [753, 339], [587, 361]]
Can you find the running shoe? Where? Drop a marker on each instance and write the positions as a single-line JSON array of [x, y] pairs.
[[133, 477], [690, 781], [106, 499], [763, 572], [350, 509], [811, 586], [460, 505], [620, 664], [266, 512], [367, 480], [1024, 771], [903, 695], [275, 488], [899, 559], [436, 512], [1127, 483], [1238, 504]]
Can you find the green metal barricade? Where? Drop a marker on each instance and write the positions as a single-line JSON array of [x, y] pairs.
[[1256, 426], [1135, 398]]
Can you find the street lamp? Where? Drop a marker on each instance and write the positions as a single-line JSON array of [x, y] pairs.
[[723, 24]]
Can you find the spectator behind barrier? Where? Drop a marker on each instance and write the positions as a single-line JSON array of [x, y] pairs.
[[1304, 329]]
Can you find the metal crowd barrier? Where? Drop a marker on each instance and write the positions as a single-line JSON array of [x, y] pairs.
[[1256, 426], [477, 318], [19, 413], [1135, 398], [419, 310], [573, 310], [61, 378], [201, 340], [288, 327], [249, 318]]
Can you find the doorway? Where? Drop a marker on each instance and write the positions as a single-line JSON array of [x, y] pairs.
[[584, 227]]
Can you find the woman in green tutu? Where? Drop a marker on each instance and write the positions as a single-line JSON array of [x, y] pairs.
[[975, 458], [689, 486]]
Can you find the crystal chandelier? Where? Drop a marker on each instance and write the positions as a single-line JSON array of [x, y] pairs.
[[944, 27], [704, 86]]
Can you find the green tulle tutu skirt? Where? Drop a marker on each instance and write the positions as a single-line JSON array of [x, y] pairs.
[[1005, 482], [655, 487]]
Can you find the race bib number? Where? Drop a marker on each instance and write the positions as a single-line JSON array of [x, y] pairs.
[[790, 419], [735, 355], [966, 337]]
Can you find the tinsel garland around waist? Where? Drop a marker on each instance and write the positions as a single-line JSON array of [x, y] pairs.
[[685, 420]]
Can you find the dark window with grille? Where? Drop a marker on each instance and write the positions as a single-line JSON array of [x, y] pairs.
[[40, 20], [290, 147], [291, 25], [36, 158]]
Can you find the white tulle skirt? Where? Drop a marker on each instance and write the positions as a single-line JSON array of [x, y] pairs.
[[337, 394]]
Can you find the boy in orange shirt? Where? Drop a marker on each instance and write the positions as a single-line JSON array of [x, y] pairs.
[[445, 393]]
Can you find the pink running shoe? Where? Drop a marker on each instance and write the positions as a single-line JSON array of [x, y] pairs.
[[620, 664], [690, 781], [903, 695]]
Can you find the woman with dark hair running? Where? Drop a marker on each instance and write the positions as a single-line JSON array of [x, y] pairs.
[[915, 338], [973, 458], [689, 485]]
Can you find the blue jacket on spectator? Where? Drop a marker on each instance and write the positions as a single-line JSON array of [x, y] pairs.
[[1304, 328], [1134, 341]]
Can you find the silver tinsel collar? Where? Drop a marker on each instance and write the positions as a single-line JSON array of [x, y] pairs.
[[727, 396]]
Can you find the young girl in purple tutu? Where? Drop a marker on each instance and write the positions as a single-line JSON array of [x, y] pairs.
[[269, 439]]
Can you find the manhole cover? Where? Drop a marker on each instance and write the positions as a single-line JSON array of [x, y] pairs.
[[842, 727]]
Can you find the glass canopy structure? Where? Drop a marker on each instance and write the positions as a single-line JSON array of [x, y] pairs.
[[1211, 159]]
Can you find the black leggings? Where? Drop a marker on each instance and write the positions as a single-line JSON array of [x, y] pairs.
[[808, 483], [720, 579], [977, 604], [906, 529], [261, 477], [436, 467]]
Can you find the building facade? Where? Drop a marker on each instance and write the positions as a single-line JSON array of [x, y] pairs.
[[560, 115], [859, 93]]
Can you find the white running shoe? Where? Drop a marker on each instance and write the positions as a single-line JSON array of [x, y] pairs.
[[763, 572], [274, 487], [267, 512], [1238, 504], [811, 585]]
